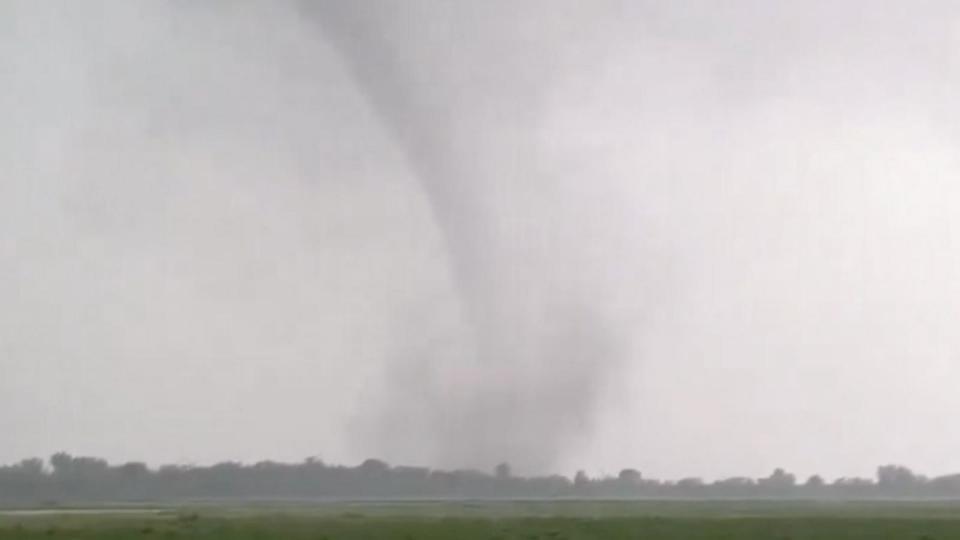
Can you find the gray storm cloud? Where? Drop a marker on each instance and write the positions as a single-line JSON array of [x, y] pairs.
[[697, 238]]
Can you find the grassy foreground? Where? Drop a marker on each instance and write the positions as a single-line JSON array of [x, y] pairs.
[[489, 521]]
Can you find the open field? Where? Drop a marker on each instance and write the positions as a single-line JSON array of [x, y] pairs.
[[527, 520]]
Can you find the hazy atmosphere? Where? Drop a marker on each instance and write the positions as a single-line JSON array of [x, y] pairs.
[[695, 238]]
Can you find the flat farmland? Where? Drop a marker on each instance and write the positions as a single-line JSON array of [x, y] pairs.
[[526, 520]]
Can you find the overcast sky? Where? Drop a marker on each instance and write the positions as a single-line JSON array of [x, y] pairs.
[[222, 238]]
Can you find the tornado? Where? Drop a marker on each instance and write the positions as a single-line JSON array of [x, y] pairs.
[[459, 90]]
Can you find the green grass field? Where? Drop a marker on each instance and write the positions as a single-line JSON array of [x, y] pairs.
[[489, 521]]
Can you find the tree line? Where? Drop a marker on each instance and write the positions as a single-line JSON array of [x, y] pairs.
[[65, 479]]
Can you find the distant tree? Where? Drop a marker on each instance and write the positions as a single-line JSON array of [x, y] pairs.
[[134, 469], [374, 466], [32, 466], [779, 480], [736, 482], [815, 482], [630, 477], [853, 486], [419, 473], [896, 478], [78, 480], [945, 485], [581, 480], [690, 482], [61, 463]]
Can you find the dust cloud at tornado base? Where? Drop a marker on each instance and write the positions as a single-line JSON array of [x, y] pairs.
[[559, 235]]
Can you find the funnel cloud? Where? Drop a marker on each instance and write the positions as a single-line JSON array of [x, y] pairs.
[[536, 357]]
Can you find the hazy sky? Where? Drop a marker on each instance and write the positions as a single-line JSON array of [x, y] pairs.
[[223, 237]]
